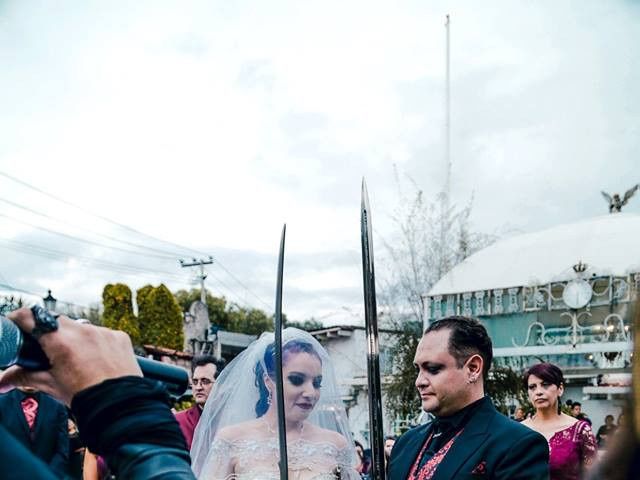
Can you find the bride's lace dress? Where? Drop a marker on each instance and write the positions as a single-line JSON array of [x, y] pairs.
[[245, 459], [237, 435]]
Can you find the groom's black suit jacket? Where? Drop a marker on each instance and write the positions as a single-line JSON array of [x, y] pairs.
[[491, 446], [49, 439]]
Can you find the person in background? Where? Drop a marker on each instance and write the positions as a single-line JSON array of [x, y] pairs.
[[120, 415], [576, 409], [605, 431], [238, 434], [76, 450], [40, 423], [204, 372], [621, 459], [572, 445], [95, 468], [576, 412], [621, 420], [363, 464], [519, 415], [389, 442]]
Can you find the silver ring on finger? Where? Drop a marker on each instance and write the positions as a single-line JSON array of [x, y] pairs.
[[45, 321]]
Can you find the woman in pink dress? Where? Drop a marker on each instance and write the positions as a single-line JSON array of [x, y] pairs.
[[572, 445]]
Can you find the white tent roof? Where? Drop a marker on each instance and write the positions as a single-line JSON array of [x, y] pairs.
[[609, 245]]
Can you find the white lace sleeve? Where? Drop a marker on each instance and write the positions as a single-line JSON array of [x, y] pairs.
[[219, 464]]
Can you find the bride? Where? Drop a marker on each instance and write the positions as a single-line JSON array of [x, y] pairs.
[[237, 436]]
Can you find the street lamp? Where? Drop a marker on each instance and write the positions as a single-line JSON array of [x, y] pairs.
[[50, 302]]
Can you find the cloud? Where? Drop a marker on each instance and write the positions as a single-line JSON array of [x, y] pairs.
[[212, 124]]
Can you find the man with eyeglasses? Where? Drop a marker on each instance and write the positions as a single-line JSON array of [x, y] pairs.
[[204, 371]]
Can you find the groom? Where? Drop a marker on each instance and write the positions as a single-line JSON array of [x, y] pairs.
[[469, 438]]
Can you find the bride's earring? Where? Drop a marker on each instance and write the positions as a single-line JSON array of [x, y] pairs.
[[270, 398]]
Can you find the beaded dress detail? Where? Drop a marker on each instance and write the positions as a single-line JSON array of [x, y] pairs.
[[237, 435], [571, 451], [257, 460]]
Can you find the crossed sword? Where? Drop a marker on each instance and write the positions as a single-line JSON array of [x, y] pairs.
[[373, 351]]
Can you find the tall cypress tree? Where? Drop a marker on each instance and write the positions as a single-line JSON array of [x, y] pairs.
[[143, 297], [118, 311], [160, 317]]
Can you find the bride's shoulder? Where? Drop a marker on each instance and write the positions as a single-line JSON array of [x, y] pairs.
[[319, 434], [239, 431]]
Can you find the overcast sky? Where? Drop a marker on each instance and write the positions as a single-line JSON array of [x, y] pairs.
[[210, 124]]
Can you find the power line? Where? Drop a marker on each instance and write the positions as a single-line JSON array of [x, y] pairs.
[[164, 253], [78, 239], [101, 264], [27, 292], [88, 212], [243, 285], [130, 229], [82, 240], [203, 276], [129, 270]]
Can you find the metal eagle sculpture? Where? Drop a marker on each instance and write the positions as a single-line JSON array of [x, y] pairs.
[[616, 203]]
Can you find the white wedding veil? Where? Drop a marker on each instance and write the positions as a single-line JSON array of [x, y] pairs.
[[236, 397]]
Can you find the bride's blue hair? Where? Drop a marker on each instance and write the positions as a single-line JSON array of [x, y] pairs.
[[293, 346]]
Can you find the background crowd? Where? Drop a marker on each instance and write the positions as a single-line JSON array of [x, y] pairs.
[[117, 425]]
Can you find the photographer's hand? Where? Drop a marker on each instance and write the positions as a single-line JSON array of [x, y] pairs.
[[80, 355]]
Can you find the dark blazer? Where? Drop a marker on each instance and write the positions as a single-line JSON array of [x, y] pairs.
[[491, 447], [49, 440], [19, 463]]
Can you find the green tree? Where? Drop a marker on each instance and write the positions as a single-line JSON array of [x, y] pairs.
[[308, 325], [161, 317], [216, 306], [432, 237], [252, 321], [144, 314], [118, 311], [505, 386], [401, 395]]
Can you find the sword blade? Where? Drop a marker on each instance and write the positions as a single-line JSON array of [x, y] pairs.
[[282, 429], [373, 353]]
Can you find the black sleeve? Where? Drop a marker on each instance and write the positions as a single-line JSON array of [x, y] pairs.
[[528, 459], [128, 421], [60, 459]]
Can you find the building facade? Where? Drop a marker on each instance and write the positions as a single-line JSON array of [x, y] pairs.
[[347, 347], [565, 295]]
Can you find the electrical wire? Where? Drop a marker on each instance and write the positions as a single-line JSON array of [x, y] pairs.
[[103, 264], [82, 240], [11, 288], [130, 229], [125, 269], [164, 253], [82, 209], [244, 286]]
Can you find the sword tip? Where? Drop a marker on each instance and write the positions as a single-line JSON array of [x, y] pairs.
[[365, 195]]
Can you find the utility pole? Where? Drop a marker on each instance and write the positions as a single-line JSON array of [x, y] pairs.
[[444, 266], [199, 263], [447, 108]]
